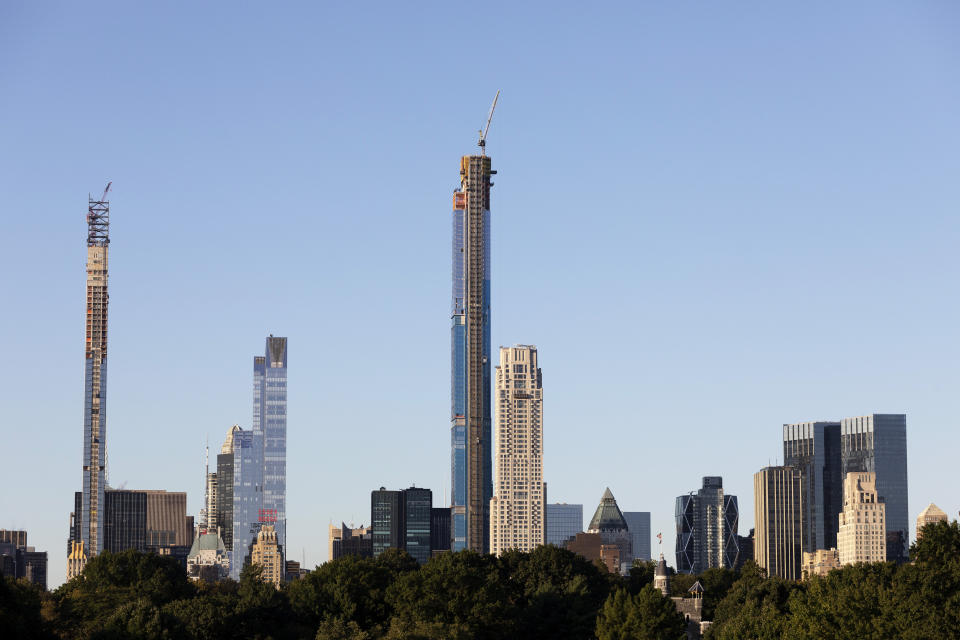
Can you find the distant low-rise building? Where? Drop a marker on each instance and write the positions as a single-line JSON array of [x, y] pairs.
[[592, 547], [930, 515], [17, 560], [351, 541], [820, 562], [208, 559]]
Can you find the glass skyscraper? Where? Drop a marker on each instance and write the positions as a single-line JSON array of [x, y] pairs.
[[707, 523], [878, 443], [247, 495], [639, 524], [402, 520], [270, 421], [470, 432], [814, 449], [564, 521]]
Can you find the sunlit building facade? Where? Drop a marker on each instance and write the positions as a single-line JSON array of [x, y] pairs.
[[517, 508]]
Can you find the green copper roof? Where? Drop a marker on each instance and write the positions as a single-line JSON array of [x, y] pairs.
[[608, 515]]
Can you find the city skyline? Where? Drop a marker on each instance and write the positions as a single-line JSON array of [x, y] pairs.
[[756, 200]]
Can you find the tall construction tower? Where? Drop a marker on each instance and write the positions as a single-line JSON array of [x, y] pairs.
[[472, 478], [95, 380]]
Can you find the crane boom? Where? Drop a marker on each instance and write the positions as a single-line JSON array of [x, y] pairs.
[[103, 198], [483, 134]]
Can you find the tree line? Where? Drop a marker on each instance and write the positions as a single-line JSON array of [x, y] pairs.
[[547, 593]]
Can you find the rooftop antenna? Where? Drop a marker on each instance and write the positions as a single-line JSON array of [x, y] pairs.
[[483, 132]]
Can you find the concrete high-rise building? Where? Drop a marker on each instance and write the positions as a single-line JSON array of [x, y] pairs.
[[95, 377], [470, 437], [639, 524], [168, 524], [877, 443], [17, 538], [225, 489], [267, 553], [564, 521], [211, 515], [707, 527], [517, 508], [402, 520], [862, 534], [778, 510], [270, 424], [608, 522], [814, 449], [930, 515]]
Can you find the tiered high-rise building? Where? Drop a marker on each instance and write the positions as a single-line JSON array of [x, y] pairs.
[[267, 552], [707, 527], [862, 534], [470, 428], [95, 388], [517, 509]]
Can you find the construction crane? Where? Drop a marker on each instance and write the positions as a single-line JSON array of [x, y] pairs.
[[103, 198], [483, 133]]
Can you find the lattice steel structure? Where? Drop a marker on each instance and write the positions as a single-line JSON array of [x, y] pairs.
[[95, 376], [472, 480]]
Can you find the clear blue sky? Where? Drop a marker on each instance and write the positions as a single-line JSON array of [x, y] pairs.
[[711, 219]]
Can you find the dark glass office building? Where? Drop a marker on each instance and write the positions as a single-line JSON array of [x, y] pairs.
[[386, 518], [439, 529], [225, 498], [564, 521], [417, 506], [707, 524], [125, 521], [402, 520], [878, 443], [814, 449]]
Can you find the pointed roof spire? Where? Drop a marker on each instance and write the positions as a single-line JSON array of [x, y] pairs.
[[608, 516]]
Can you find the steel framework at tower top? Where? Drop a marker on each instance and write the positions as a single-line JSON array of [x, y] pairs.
[[98, 220]]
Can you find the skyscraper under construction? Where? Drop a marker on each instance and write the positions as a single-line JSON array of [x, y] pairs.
[[95, 385], [470, 429]]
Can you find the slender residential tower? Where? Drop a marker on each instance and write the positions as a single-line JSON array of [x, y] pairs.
[[95, 377], [517, 509], [471, 481], [270, 424]]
